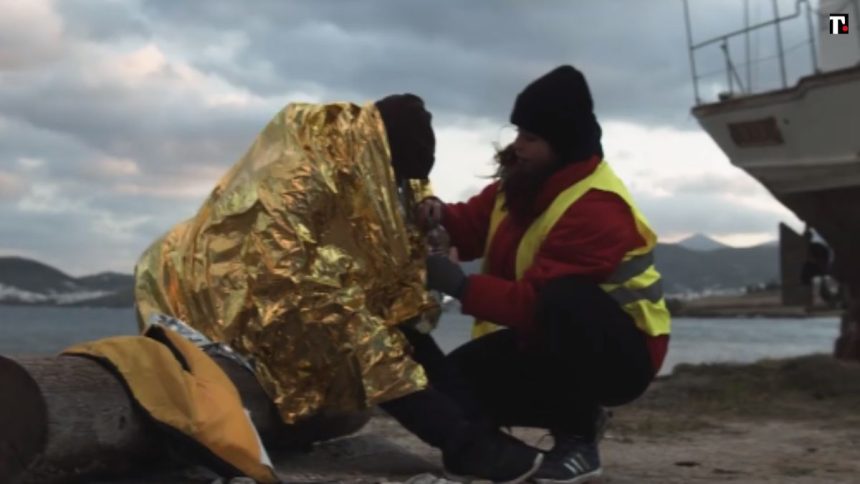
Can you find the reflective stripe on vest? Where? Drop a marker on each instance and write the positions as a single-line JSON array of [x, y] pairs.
[[631, 268], [635, 284]]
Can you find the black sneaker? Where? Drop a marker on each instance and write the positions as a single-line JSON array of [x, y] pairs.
[[488, 455], [572, 460]]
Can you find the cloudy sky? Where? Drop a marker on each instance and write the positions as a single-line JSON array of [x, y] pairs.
[[118, 116]]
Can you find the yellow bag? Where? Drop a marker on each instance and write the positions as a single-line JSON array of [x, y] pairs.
[[179, 386]]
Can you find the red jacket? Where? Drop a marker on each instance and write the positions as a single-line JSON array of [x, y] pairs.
[[590, 240]]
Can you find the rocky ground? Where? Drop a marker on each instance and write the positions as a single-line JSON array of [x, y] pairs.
[[780, 421]]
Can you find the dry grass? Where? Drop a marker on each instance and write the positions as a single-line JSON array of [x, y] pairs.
[[694, 397]]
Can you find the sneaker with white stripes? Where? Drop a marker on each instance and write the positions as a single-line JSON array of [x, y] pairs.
[[572, 460], [489, 455]]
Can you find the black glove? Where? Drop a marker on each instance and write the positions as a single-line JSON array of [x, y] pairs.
[[446, 276], [428, 213]]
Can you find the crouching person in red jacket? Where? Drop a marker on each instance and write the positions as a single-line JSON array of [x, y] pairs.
[[569, 309]]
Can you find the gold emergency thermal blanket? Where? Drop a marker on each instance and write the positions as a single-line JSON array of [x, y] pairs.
[[302, 260]]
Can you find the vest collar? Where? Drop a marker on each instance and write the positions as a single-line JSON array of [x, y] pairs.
[[563, 179]]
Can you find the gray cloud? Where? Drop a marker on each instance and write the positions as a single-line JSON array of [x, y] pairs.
[[164, 122], [709, 213], [11, 186], [104, 20], [126, 153], [473, 57], [465, 57], [30, 33], [87, 234], [712, 184]]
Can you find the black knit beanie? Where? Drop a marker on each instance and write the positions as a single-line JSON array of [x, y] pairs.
[[558, 108], [410, 135]]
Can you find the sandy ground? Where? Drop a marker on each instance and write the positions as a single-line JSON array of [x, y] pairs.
[[766, 452], [783, 421]]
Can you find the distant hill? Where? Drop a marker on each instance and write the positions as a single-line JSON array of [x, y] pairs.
[[688, 271], [108, 281], [31, 276], [685, 271], [701, 242], [25, 281], [122, 298]]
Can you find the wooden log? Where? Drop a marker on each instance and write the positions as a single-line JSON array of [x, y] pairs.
[[91, 424], [70, 418], [22, 419]]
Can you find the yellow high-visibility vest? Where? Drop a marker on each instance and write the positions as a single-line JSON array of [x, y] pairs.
[[635, 284]]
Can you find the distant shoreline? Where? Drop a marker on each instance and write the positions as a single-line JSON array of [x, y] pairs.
[[765, 304], [703, 312], [65, 306], [787, 312]]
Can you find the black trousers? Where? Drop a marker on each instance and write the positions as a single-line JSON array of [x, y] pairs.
[[588, 353]]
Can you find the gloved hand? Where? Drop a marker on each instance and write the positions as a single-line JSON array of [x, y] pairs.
[[429, 213], [446, 276]]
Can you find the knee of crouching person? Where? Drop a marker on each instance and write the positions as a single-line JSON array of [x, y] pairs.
[[567, 292]]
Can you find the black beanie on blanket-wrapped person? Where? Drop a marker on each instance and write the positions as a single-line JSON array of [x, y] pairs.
[[558, 108], [410, 135]]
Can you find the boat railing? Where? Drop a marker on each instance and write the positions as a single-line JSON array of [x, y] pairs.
[[735, 85]]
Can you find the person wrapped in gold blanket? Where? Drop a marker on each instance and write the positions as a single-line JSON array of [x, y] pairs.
[[303, 260]]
